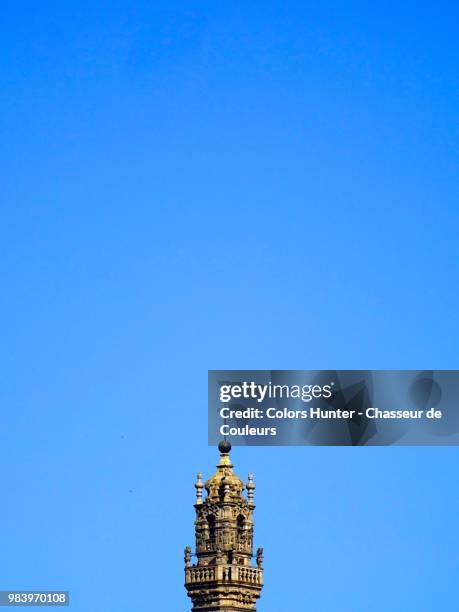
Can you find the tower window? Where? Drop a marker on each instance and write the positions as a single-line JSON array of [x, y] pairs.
[[211, 521]]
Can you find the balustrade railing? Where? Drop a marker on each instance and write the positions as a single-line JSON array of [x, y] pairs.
[[225, 573]]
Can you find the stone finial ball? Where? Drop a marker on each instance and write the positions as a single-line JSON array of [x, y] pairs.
[[224, 446]]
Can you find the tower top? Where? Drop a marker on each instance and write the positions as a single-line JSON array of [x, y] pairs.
[[224, 577], [224, 485]]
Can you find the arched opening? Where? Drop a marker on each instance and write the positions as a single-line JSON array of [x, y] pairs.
[[240, 525], [211, 523]]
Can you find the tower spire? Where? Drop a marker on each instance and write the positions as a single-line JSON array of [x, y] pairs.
[[223, 579]]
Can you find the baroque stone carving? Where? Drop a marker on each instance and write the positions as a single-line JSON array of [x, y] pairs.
[[224, 579]]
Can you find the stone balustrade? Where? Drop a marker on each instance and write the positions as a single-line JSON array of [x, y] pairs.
[[224, 573]]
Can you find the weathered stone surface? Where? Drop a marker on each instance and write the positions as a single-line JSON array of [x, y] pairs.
[[223, 578]]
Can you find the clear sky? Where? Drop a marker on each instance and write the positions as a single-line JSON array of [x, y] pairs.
[[222, 185]]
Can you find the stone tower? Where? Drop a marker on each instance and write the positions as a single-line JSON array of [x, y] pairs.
[[223, 578]]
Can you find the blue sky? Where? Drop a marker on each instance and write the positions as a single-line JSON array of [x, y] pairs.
[[240, 185]]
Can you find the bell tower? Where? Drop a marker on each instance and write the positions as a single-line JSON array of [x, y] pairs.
[[223, 578]]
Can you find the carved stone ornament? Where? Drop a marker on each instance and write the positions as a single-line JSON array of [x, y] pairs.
[[223, 578]]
